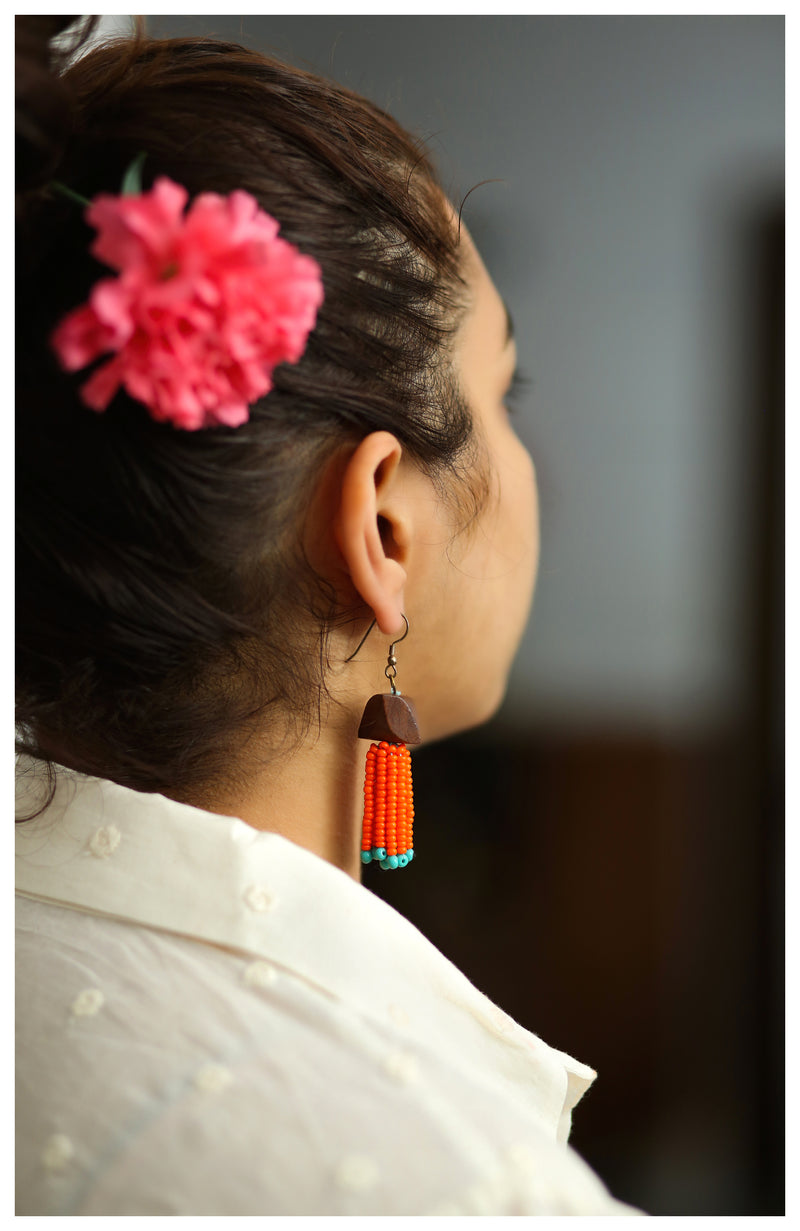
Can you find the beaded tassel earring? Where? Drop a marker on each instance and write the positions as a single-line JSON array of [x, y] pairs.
[[387, 833]]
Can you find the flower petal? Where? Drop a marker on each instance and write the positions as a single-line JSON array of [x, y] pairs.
[[102, 385], [207, 303], [80, 338], [135, 230]]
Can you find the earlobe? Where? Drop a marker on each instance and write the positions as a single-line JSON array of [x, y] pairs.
[[369, 531]]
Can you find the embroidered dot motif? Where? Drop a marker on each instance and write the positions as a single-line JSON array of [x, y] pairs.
[[521, 1156], [501, 1020], [242, 833], [212, 1078], [398, 1015], [402, 1066], [259, 898], [104, 841], [58, 1152], [260, 974], [88, 1002], [356, 1173]]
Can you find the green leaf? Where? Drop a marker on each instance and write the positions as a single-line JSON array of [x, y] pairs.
[[132, 182], [69, 192]]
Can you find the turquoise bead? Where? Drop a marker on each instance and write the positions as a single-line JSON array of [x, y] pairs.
[[385, 865], [393, 861], [366, 856], [402, 861], [410, 853], [379, 852]]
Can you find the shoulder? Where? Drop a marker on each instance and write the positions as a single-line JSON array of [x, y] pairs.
[[191, 1080]]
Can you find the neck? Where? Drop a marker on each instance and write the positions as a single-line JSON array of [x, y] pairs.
[[312, 795]]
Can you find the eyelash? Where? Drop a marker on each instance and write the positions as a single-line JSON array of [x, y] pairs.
[[519, 384]]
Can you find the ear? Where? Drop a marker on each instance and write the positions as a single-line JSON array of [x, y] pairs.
[[370, 531]]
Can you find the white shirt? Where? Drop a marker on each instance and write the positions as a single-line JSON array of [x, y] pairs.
[[213, 1020]]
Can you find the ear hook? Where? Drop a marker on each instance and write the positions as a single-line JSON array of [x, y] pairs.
[[390, 670], [399, 639], [367, 633]]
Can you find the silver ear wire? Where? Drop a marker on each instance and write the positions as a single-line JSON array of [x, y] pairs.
[[390, 671], [369, 630]]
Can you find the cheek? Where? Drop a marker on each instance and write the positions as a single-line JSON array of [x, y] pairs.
[[532, 508], [516, 553], [476, 603], [498, 595], [518, 500]]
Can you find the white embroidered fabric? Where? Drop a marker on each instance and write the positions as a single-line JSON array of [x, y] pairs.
[[214, 1021]]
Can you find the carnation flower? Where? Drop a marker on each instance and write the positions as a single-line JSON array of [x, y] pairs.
[[205, 305]]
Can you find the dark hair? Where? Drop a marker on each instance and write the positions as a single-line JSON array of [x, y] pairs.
[[44, 113], [159, 571]]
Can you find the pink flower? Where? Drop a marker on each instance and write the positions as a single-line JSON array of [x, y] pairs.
[[205, 306]]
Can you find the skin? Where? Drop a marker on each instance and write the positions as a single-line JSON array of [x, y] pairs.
[[380, 532]]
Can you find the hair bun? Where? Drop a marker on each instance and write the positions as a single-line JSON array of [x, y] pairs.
[[44, 106]]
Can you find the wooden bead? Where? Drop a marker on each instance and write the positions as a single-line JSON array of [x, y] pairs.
[[391, 718]]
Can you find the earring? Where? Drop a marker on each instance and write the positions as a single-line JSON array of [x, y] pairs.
[[387, 831]]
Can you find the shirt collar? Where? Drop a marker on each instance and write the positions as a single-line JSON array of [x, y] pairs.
[[148, 860]]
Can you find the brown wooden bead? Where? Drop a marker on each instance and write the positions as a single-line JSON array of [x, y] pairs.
[[391, 718]]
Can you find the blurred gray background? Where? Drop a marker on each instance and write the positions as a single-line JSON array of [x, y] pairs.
[[636, 232]]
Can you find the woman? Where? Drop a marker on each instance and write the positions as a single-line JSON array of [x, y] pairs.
[[215, 1016]]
